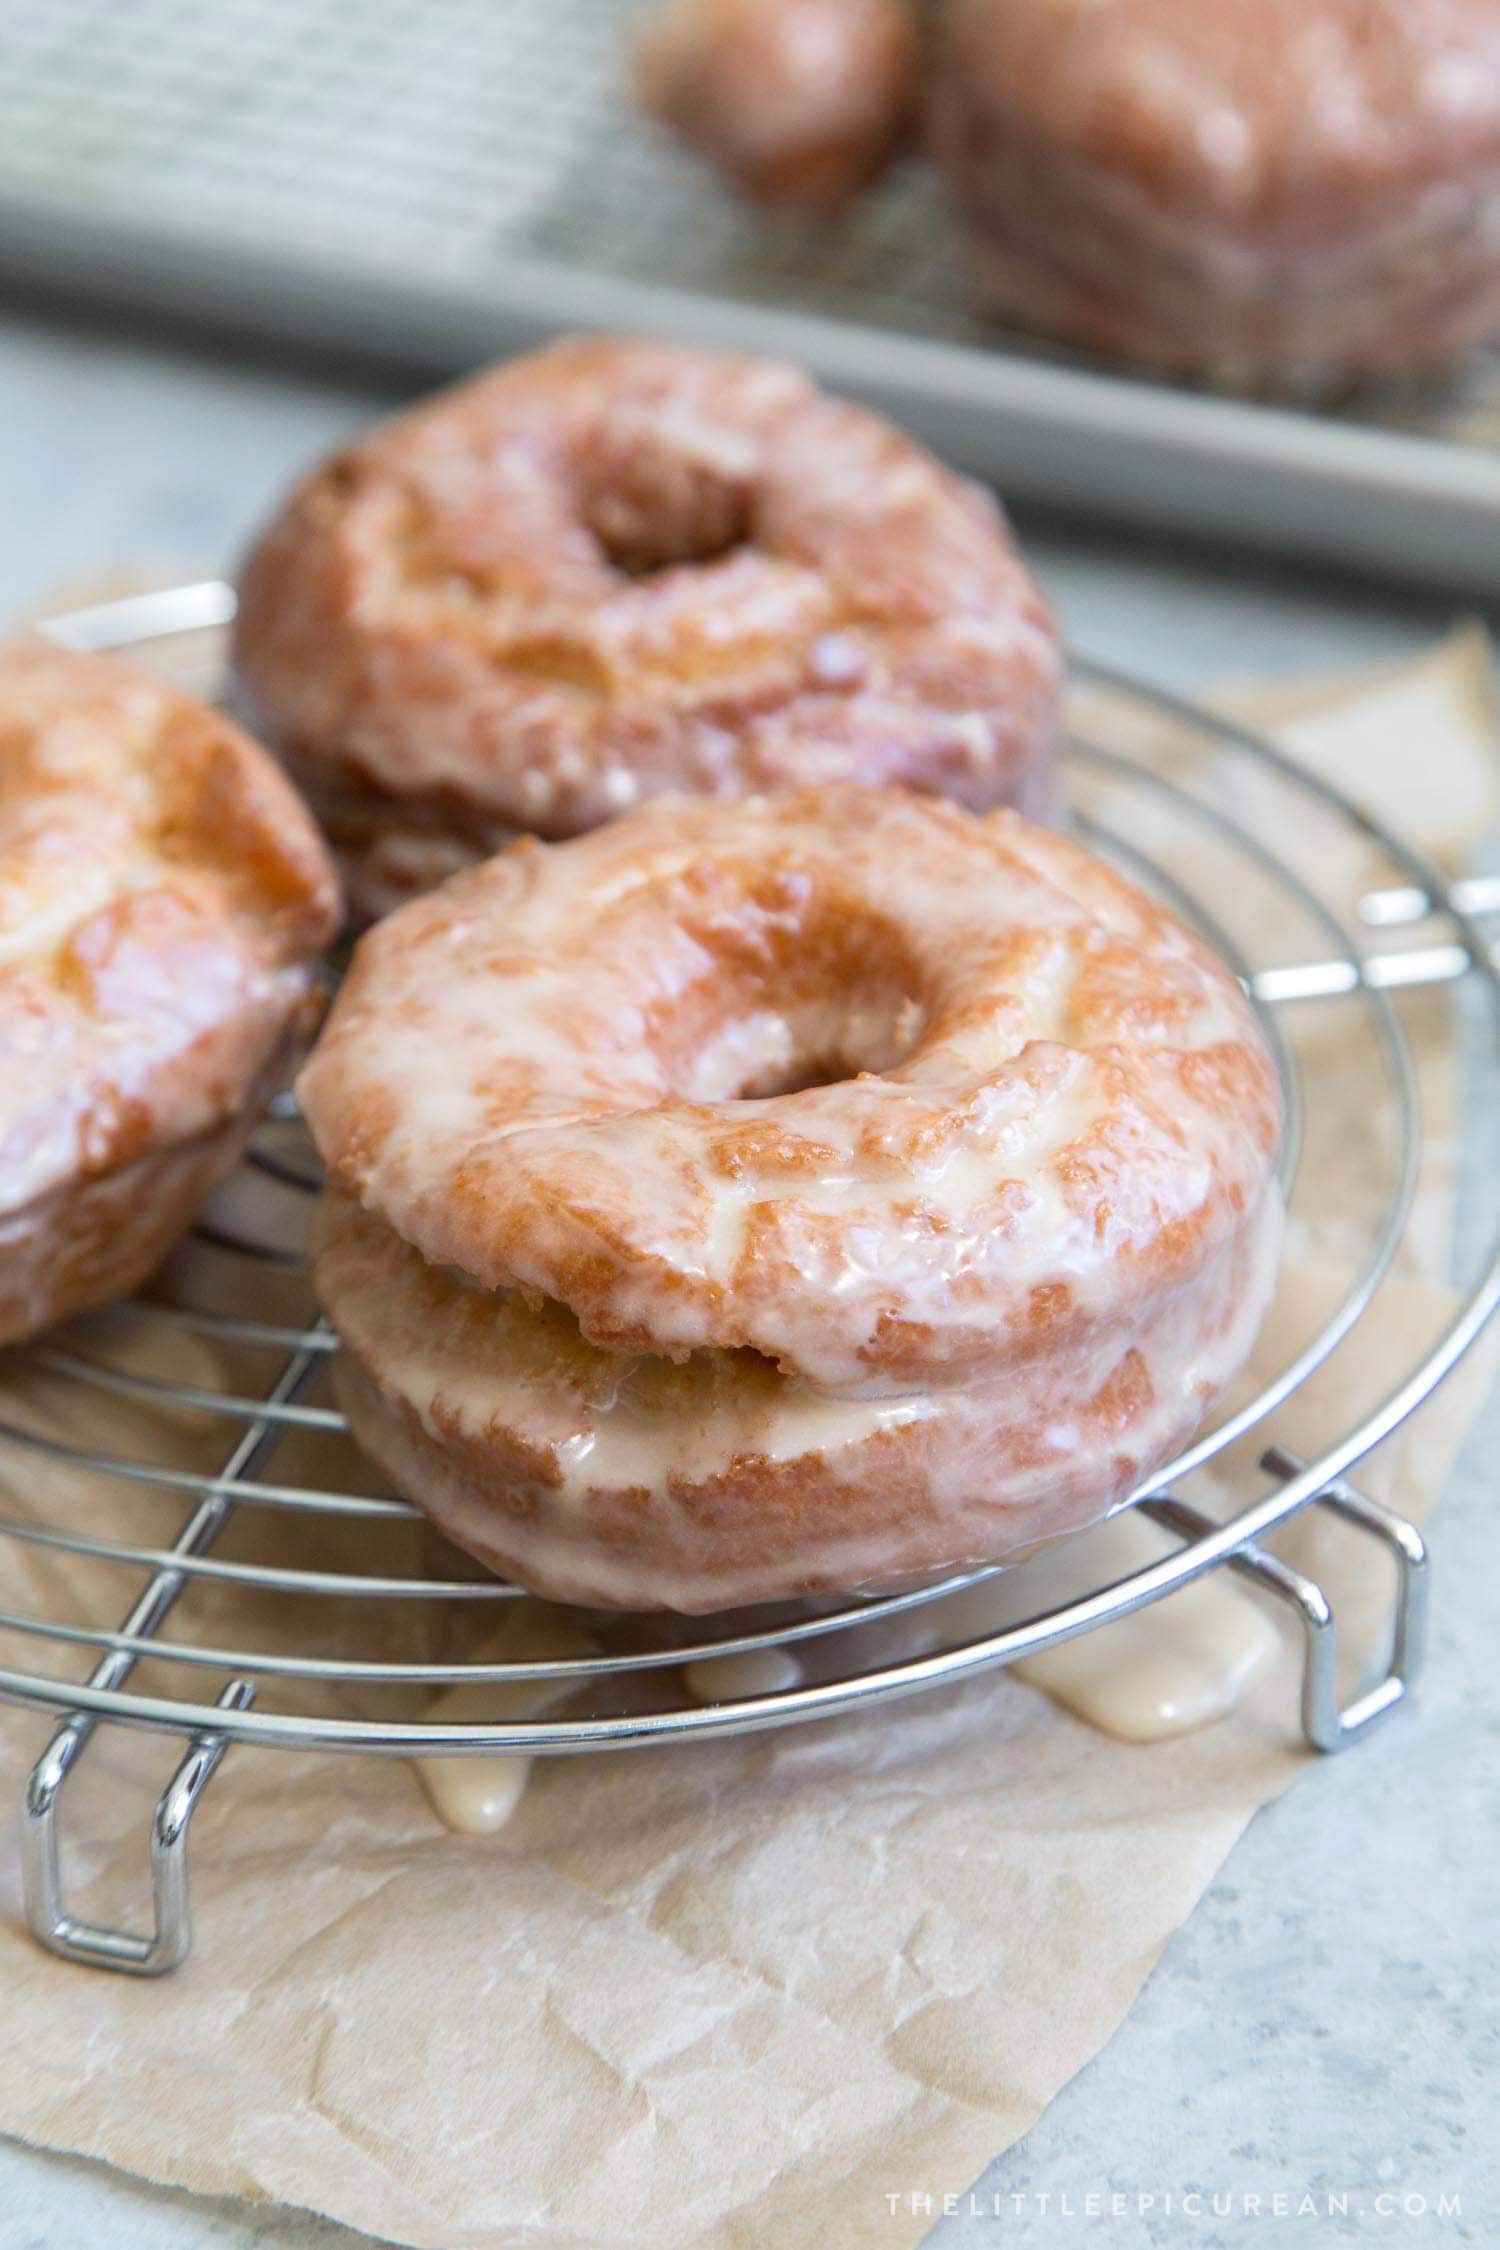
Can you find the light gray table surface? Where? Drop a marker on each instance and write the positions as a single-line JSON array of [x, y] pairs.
[[1326, 2023]]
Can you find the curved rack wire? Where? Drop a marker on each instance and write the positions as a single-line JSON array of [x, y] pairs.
[[319, 1688]]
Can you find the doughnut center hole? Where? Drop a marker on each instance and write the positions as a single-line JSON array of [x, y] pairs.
[[782, 979], [771, 1050], [789, 1051], [639, 544], [655, 502]]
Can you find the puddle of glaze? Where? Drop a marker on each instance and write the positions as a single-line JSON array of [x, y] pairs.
[[478, 1795], [1178, 1665], [752, 1671], [1166, 1670]]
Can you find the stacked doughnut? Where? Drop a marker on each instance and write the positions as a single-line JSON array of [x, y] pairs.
[[746, 1201], [163, 895], [616, 568], [1273, 192]]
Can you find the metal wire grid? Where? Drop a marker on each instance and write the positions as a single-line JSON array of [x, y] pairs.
[[442, 125], [635, 1689], [464, 136]]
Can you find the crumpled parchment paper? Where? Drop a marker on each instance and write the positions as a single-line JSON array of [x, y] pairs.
[[732, 1994]]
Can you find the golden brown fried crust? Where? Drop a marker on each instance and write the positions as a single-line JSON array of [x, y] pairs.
[[616, 568], [162, 895], [799, 101]]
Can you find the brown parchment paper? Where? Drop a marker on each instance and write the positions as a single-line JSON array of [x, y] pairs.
[[731, 1994]]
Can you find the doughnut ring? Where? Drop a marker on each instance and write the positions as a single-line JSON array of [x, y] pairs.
[[163, 895], [742, 1202], [613, 569]]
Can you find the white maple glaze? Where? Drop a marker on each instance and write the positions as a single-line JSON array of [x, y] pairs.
[[478, 1795]]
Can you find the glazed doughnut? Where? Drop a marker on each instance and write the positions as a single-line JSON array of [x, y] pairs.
[[798, 101], [615, 568], [162, 897], [1279, 192], [741, 1202]]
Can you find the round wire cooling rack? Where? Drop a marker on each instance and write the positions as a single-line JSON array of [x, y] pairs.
[[187, 1449]]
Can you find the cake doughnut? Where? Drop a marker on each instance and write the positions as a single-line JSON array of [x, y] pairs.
[[163, 895], [800, 102], [614, 568], [742, 1202], [1279, 193]]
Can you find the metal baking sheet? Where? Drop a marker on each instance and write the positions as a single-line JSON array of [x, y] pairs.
[[433, 185]]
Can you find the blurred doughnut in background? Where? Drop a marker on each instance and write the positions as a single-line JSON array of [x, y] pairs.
[[799, 101], [1285, 195]]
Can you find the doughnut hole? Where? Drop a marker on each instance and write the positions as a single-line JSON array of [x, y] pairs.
[[790, 1049], [659, 498], [792, 986]]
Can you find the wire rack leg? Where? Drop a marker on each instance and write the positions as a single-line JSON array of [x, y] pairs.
[[90, 1942], [49, 1921], [1327, 1725]]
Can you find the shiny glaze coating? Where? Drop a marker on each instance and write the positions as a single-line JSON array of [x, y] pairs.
[[895, 1181], [162, 895], [1281, 191], [800, 102], [615, 568]]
